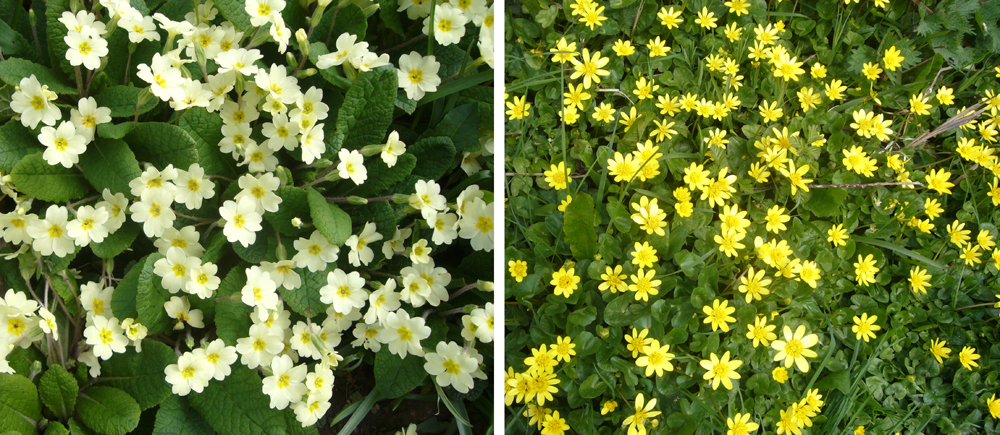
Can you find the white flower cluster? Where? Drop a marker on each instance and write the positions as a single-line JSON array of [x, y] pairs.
[[56, 234], [25, 323], [105, 334], [450, 19]]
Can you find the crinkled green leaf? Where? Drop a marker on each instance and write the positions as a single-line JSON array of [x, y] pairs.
[[14, 43], [232, 318], [58, 390], [206, 130], [56, 428], [150, 298], [116, 242], [176, 417], [115, 131], [55, 34], [391, 17], [123, 99], [435, 156], [294, 204], [140, 373], [234, 12], [16, 141], [367, 110], [110, 164], [14, 69], [108, 410], [381, 177], [350, 19], [329, 219], [394, 377], [305, 300], [20, 409], [236, 405], [461, 125], [123, 299], [162, 144], [37, 179]]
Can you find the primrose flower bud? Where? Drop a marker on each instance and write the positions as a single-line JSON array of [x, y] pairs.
[[303, 40], [371, 150], [280, 252], [296, 222], [400, 198], [357, 200], [486, 286]]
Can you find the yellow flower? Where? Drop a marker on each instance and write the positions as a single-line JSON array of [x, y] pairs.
[[994, 406], [592, 16], [518, 269], [776, 218], [614, 280], [576, 96], [794, 349], [554, 425], [788, 68], [818, 71], [637, 422], [669, 17], [808, 99], [994, 192], [557, 176], [663, 130], [939, 350], [892, 58], [565, 203], [721, 370], [706, 19], [569, 115], [604, 112], [564, 52], [779, 374], [865, 270], [518, 109], [918, 104], [649, 216], [733, 31], [796, 177], [740, 424], [729, 242], [971, 255], [608, 406], [541, 360], [657, 47], [760, 332], [865, 327], [919, 280], [766, 35], [738, 7], [860, 430], [771, 112], [668, 105], [697, 177], [580, 6], [968, 357], [589, 67], [835, 89], [808, 272], [564, 348], [720, 189], [871, 70], [719, 315], [628, 118], [644, 255], [644, 90], [622, 167], [565, 281], [945, 96], [543, 384], [624, 48], [637, 341], [644, 285], [733, 218], [656, 359]]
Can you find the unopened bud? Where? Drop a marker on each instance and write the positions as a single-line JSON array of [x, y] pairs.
[[350, 72], [308, 72], [357, 200], [189, 341], [303, 39], [603, 332], [199, 54], [281, 253], [296, 222], [259, 38], [333, 176], [284, 175], [370, 10], [486, 286], [36, 368], [400, 198], [32, 18], [324, 3], [371, 150]]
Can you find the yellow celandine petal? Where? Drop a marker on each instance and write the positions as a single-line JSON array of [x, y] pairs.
[[565, 281], [939, 350], [518, 269], [994, 406], [865, 327], [794, 349], [720, 370], [558, 176]]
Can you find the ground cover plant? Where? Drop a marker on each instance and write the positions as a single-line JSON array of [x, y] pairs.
[[752, 217], [259, 217]]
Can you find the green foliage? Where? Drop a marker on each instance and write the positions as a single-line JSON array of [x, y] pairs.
[[435, 155], [395, 376], [16, 142], [162, 144], [110, 164], [305, 300], [367, 111], [123, 101], [15, 69], [206, 130], [329, 219], [108, 410], [176, 417], [58, 390], [235, 406], [20, 409], [140, 374], [151, 296], [37, 179]]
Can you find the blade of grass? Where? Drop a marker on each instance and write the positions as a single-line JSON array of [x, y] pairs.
[[898, 249], [359, 414], [451, 407]]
